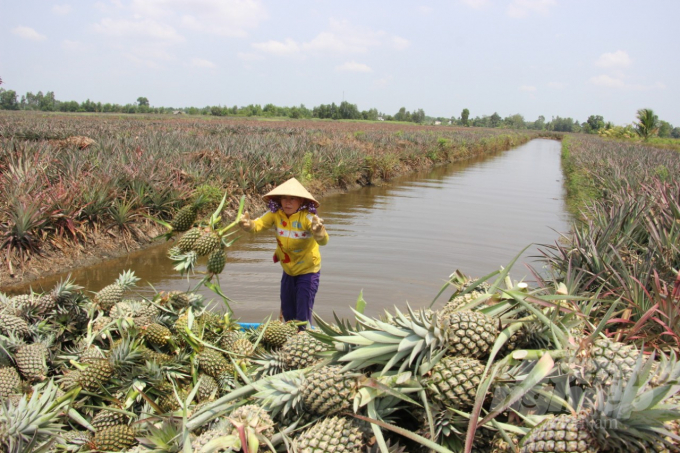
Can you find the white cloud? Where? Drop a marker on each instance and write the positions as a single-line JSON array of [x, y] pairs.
[[604, 80], [201, 63], [343, 38], [28, 33], [288, 47], [218, 17], [353, 66], [607, 81], [74, 46], [556, 85], [618, 59], [522, 8], [528, 88], [383, 82], [476, 4], [138, 29], [61, 10], [247, 56], [400, 43]]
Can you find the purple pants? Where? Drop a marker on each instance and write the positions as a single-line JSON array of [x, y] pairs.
[[297, 296]]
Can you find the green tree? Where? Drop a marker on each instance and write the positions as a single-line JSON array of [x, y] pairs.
[[675, 133], [418, 116], [464, 115], [142, 101], [515, 121], [647, 124], [665, 129], [495, 120], [595, 123], [8, 100]]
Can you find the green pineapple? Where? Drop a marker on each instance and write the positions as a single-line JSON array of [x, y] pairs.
[[13, 325], [157, 334], [277, 332], [114, 438], [471, 333], [206, 243], [607, 361], [300, 351], [110, 295], [627, 417], [185, 217], [331, 435], [216, 261], [106, 418], [407, 341], [212, 362], [207, 388], [46, 303], [188, 239], [10, 382], [32, 361], [329, 390], [454, 381], [96, 373]]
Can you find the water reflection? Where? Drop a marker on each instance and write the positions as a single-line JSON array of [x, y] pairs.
[[397, 242]]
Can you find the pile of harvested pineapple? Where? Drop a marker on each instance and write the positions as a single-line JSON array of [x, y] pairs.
[[498, 367]]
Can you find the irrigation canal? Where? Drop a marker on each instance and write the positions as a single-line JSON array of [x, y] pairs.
[[397, 243]]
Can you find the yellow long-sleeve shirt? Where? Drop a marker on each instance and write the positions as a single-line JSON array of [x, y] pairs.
[[296, 250]]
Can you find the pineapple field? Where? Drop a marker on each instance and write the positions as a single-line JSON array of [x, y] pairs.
[[76, 188], [583, 359]]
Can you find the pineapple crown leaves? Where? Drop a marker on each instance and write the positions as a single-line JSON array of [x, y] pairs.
[[127, 279], [633, 411], [281, 392], [407, 341], [35, 418]]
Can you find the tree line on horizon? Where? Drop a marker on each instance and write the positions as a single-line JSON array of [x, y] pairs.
[[9, 100]]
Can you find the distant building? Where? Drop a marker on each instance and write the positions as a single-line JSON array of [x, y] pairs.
[[178, 112], [437, 123], [380, 118]]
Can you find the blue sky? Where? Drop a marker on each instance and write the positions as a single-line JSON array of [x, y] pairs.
[[533, 57]]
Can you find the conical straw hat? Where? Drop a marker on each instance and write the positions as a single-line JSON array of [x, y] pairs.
[[292, 188]]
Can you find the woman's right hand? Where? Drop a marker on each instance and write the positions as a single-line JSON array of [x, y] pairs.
[[245, 223]]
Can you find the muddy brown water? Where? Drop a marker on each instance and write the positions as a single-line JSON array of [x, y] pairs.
[[396, 243]]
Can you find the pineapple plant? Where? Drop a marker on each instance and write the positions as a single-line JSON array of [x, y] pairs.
[[110, 295], [329, 390], [331, 435], [605, 361]]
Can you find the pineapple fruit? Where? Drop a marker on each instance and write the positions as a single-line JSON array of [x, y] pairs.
[[331, 435], [110, 295]]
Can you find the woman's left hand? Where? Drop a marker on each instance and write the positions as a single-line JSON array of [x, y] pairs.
[[318, 229]]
